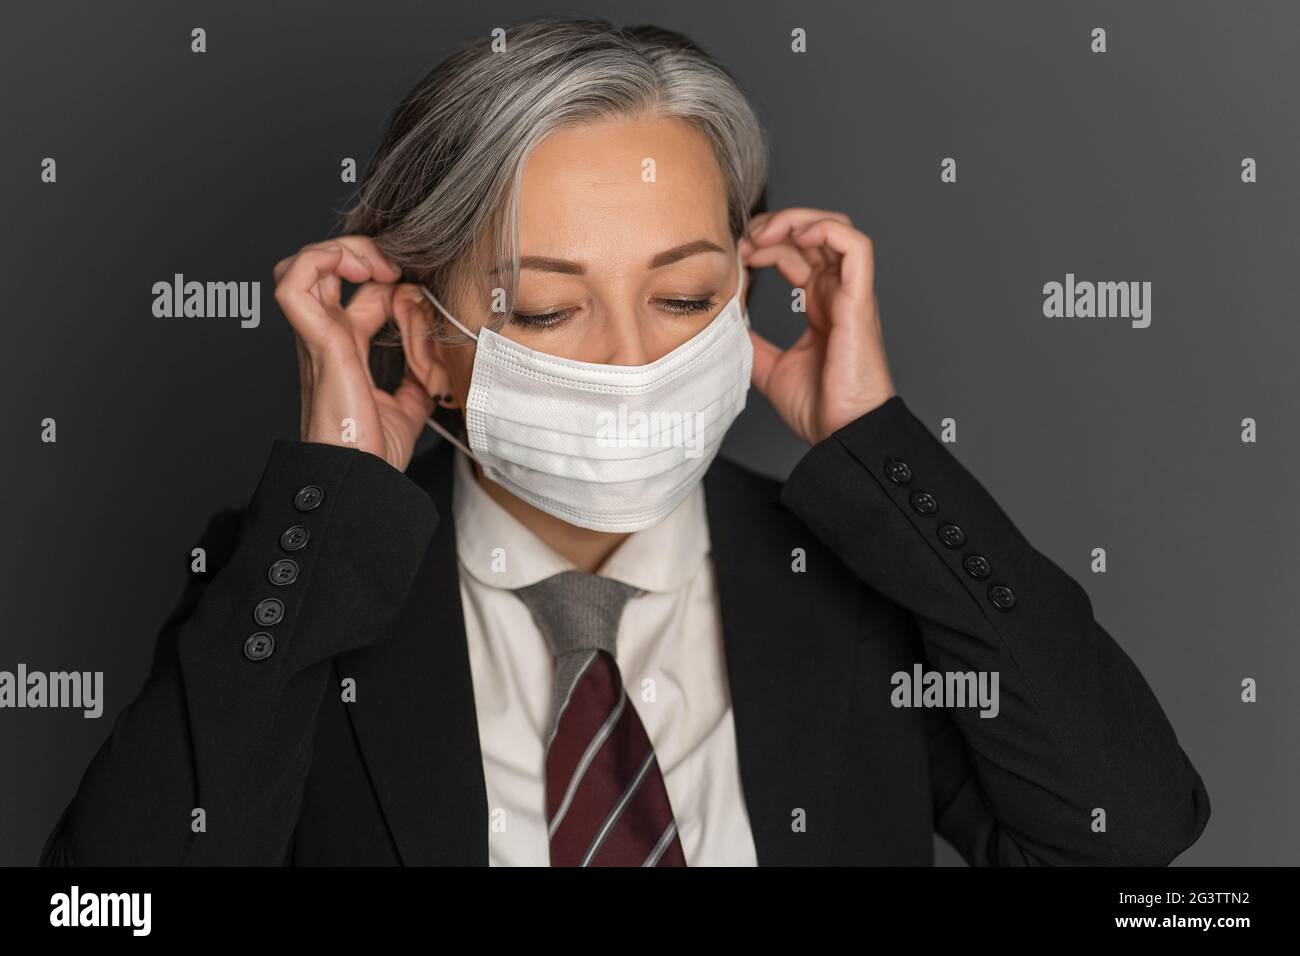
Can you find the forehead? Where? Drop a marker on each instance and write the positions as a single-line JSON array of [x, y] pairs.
[[638, 184]]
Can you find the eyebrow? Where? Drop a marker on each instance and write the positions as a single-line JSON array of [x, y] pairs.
[[668, 257]]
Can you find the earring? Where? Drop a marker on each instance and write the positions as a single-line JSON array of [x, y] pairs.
[[447, 400]]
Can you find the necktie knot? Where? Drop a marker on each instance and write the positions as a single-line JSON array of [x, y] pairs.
[[577, 611]]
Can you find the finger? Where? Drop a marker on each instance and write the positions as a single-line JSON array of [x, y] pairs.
[[353, 266], [788, 259], [385, 270], [364, 250], [816, 257], [756, 223], [345, 263], [310, 286], [359, 248], [782, 231], [296, 290], [282, 267], [780, 223], [760, 222], [370, 307], [857, 263], [285, 264]]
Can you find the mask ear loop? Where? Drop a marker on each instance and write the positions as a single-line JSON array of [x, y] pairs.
[[450, 318], [450, 437], [740, 287], [429, 421]]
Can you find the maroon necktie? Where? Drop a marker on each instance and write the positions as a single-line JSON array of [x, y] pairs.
[[606, 804]]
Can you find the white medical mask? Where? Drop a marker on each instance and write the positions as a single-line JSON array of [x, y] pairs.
[[605, 447]]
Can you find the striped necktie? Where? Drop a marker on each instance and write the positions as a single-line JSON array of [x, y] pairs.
[[606, 804]]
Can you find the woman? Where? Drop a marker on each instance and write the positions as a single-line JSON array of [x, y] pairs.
[[571, 635]]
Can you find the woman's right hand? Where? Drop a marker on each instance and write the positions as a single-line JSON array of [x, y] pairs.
[[341, 405]]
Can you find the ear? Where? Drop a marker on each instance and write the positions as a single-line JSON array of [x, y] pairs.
[[746, 276], [414, 317]]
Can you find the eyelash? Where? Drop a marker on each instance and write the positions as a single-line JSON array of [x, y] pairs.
[[543, 320]]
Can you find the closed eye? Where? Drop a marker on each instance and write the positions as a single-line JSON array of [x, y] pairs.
[[543, 320], [686, 306]]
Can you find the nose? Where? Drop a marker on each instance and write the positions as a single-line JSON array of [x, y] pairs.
[[625, 340]]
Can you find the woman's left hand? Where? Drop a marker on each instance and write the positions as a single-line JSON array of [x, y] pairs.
[[836, 371]]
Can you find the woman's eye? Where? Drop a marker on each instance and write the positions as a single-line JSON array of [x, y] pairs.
[[686, 306], [540, 320]]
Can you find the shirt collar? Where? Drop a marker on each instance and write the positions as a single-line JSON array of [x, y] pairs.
[[498, 550]]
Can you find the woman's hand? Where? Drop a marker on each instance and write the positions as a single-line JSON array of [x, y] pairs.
[[334, 344], [836, 371]]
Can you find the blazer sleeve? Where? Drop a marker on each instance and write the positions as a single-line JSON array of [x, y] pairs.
[[1078, 729], [229, 729]]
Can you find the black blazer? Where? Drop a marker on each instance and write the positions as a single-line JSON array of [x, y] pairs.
[[287, 773]]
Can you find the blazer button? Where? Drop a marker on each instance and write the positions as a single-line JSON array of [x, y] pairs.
[[308, 498], [269, 612], [923, 503], [951, 535], [259, 646], [1003, 598], [294, 539], [977, 566], [898, 471], [283, 572]]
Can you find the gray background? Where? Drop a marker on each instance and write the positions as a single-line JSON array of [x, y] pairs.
[[1122, 166]]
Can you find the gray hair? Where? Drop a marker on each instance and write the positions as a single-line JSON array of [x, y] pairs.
[[446, 175]]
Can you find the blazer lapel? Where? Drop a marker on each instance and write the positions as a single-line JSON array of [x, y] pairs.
[[414, 716], [790, 662]]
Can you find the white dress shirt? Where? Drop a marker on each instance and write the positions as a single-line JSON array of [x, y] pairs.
[[669, 642]]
